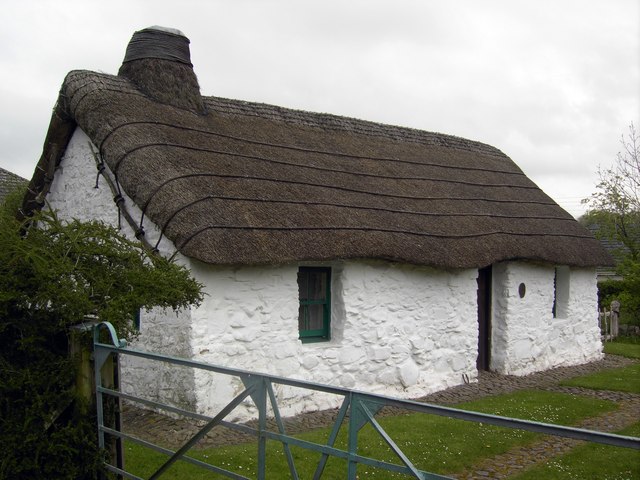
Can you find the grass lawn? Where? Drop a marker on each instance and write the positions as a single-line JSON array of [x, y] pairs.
[[592, 461], [432, 443], [622, 347], [626, 379]]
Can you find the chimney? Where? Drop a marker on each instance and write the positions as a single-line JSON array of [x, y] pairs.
[[158, 62]]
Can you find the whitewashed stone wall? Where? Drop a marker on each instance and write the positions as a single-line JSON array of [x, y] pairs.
[[396, 330], [417, 326], [526, 337], [73, 195]]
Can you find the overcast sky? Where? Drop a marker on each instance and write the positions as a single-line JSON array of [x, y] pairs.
[[551, 83]]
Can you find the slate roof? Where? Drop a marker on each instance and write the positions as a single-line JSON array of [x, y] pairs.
[[9, 182], [233, 182]]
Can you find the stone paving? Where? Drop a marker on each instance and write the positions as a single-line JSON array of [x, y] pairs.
[[173, 433]]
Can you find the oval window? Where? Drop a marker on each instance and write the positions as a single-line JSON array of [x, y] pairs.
[[522, 289]]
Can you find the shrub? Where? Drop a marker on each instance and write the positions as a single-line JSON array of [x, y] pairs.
[[627, 292], [52, 275]]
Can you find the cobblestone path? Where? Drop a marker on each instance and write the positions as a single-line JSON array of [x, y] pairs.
[[173, 433]]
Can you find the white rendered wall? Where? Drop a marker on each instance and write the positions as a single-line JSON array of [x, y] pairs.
[[73, 195], [526, 337], [396, 330]]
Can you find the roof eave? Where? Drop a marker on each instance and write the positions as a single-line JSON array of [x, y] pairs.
[[61, 128]]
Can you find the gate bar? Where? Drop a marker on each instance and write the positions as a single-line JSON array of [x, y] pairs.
[[214, 421], [538, 427]]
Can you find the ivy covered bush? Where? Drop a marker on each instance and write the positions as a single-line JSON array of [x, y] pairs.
[[52, 275]]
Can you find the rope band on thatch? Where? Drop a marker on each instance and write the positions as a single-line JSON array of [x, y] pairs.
[[351, 190], [331, 153], [360, 207], [315, 167], [184, 243], [118, 199], [153, 43], [347, 207]]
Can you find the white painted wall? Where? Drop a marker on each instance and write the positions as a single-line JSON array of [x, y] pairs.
[[73, 195], [417, 326], [396, 330], [526, 337]]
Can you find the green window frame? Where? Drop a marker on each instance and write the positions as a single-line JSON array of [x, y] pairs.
[[314, 312]]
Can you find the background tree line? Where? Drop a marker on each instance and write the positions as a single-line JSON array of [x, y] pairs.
[[614, 216]]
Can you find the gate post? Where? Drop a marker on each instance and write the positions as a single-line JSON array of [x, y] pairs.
[[81, 352], [107, 374]]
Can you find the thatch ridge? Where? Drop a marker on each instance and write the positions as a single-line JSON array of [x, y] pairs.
[[329, 121], [249, 183]]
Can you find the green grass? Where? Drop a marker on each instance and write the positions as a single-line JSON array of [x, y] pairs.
[[591, 461], [629, 350], [433, 443], [626, 379]]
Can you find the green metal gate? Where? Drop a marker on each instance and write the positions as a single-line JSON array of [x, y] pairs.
[[357, 410]]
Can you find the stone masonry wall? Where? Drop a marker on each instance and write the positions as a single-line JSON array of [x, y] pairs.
[[73, 195], [395, 330], [526, 336]]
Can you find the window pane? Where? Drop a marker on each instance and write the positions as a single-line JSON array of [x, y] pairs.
[[312, 284], [315, 317], [317, 286], [311, 317], [303, 284]]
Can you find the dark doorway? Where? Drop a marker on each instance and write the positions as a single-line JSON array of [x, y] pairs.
[[484, 318]]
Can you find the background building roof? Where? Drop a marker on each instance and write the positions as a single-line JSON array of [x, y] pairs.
[[9, 182]]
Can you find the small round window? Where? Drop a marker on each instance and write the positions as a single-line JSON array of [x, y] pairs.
[[522, 289]]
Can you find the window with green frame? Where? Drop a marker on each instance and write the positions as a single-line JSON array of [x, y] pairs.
[[314, 313]]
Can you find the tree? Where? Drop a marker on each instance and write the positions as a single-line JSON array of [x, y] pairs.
[[615, 206], [52, 275], [614, 211]]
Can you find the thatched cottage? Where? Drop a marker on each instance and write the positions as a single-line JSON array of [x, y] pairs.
[[336, 250]]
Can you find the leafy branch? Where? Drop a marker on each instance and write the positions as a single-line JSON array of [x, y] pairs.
[[52, 275]]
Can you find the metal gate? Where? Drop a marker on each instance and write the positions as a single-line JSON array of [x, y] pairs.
[[357, 410]]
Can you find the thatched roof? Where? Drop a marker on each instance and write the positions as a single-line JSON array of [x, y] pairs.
[[9, 182], [247, 183]]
